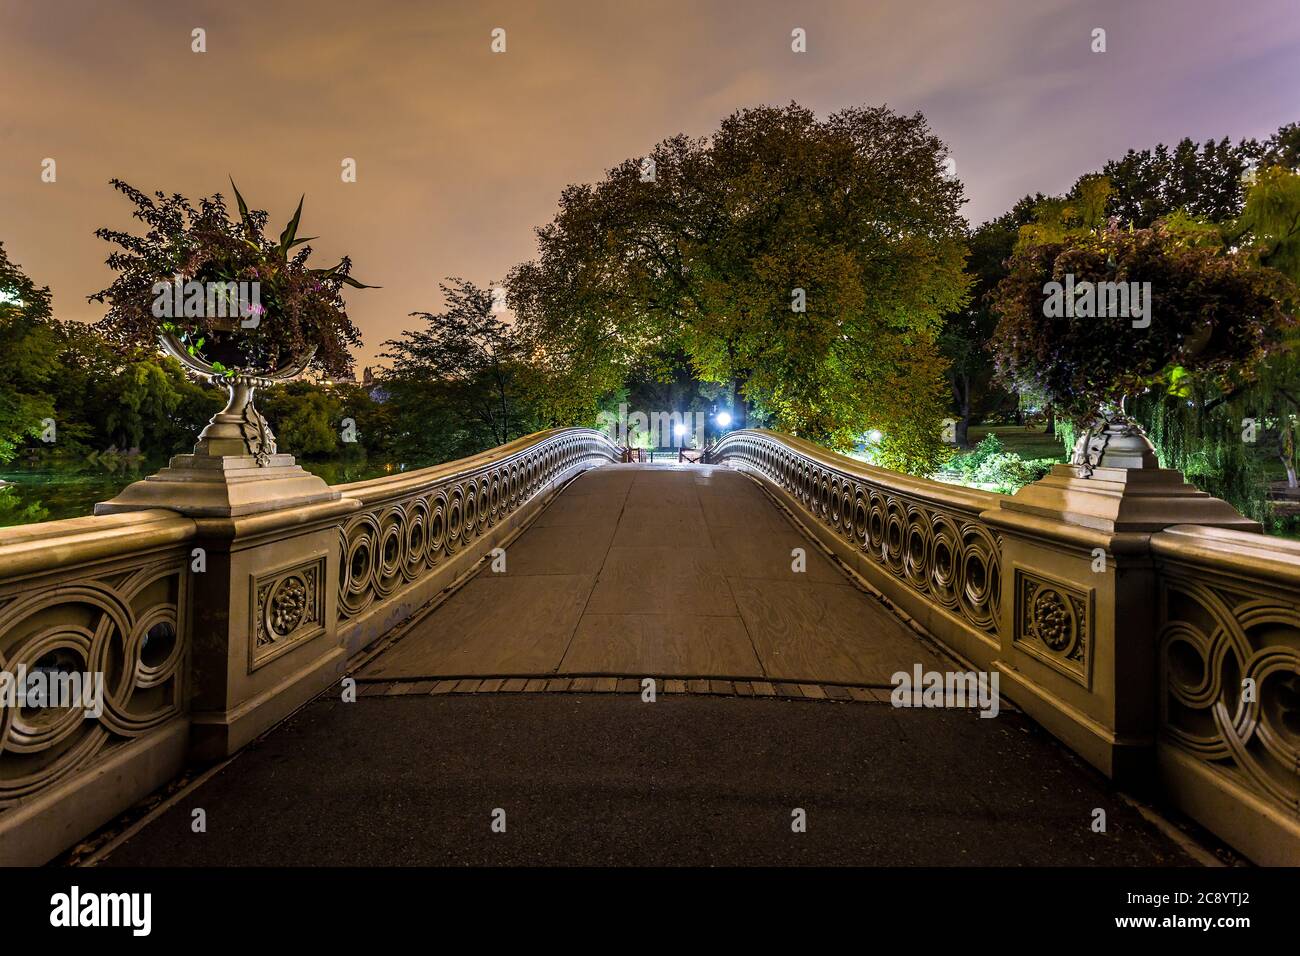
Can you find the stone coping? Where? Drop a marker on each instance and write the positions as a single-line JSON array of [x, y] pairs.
[[379, 489]]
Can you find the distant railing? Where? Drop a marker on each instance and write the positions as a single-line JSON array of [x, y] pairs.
[[924, 534], [411, 524]]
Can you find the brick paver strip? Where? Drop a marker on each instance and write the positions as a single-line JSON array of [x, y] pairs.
[[625, 685]]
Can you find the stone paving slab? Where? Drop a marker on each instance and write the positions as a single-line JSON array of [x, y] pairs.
[[669, 644], [495, 625], [655, 570], [827, 632]]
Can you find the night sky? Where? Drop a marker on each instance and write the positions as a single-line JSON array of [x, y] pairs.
[[461, 152]]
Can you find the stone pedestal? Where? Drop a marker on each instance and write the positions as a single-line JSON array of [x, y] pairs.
[[263, 580], [1078, 612], [222, 486]]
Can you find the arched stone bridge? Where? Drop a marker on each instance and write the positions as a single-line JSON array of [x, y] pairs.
[[649, 663]]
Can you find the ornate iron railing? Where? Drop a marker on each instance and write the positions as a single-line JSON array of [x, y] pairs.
[[413, 523], [1230, 657], [99, 596], [925, 534]]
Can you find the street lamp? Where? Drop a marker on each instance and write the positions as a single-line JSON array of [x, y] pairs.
[[724, 419]]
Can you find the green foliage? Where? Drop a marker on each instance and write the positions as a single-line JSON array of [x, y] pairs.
[[1271, 216], [705, 257], [305, 418], [1214, 314], [988, 466], [302, 308], [28, 343], [1207, 448], [461, 383]]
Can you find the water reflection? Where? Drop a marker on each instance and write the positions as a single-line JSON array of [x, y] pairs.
[[51, 491]]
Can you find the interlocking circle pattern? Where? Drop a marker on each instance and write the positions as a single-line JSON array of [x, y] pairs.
[[1213, 646], [948, 556], [127, 628], [392, 545]]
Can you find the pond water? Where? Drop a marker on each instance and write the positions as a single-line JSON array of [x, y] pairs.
[[50, 492]]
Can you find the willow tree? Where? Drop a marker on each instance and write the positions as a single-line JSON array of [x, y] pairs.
[[806, 264]]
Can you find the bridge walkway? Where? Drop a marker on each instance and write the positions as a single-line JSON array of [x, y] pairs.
[[660, 571], [683, 574]]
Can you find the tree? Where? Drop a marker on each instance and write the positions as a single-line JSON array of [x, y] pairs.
[[805, 264], [1213, 313], [28, 345], [967, 331], [461, 380], [307, 418]]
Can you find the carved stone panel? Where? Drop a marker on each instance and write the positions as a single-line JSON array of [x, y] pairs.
[[288, 609], [1054, 624]]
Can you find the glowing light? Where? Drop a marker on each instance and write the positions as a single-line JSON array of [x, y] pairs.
[[875, 435], [679, 430], [724, 419]]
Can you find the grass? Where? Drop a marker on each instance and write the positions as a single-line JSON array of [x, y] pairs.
[[1031, 442]]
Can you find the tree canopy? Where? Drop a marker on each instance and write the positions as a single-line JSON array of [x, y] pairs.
[[805, 263]]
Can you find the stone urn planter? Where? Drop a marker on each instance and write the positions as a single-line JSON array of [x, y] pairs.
[[239, 428], [235, 468]]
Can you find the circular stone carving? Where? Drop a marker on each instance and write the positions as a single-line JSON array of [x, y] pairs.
[[287, 607], [1053, 620]]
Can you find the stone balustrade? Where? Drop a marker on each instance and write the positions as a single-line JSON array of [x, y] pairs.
[[1127, 641], [1165, 652], [104, 598], [211, 627]]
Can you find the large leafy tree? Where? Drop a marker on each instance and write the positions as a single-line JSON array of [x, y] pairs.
[[967, 331], [806, 264]]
